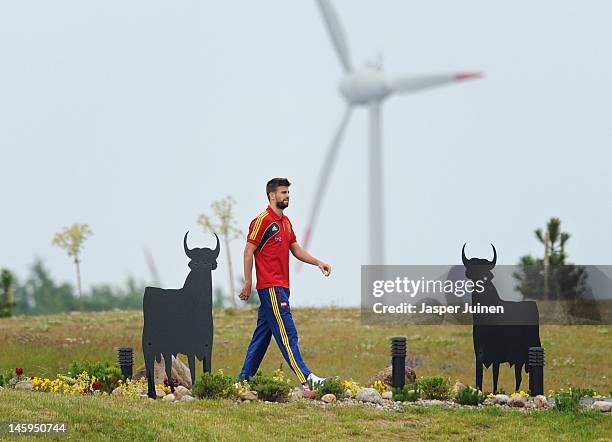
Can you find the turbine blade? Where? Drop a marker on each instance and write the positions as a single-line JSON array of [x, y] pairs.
[[334, 28], [325, 174], [413, 83]]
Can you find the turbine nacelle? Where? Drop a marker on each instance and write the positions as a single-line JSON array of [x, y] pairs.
[[364, 86]]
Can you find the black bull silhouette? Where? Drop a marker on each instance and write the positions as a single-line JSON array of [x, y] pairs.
[[180, 320], [500, 337]]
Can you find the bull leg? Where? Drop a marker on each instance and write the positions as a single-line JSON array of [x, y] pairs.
[[479, 364], [207, 360], [495, 376], [192, 367], [517, 375], [150, 374], [168, 364]]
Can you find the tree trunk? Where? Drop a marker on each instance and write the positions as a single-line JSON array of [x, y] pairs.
[[78, 272], [231, 272], [546, 265]]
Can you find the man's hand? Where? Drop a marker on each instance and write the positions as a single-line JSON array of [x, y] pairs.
[[325, 268], [245, 294]]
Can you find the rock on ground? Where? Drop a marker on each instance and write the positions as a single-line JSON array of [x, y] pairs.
[[309, 394], [517, 401], [23, 385], [179, 371], [387, 395], [540, 401], [602, 406], [369, 395], [329, 398], [385, 376], [248, 396], [295, 395], [181, 391], [501, 399], [169, 397]]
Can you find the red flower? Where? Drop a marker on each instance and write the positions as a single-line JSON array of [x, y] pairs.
[[19, 371], [96, 385], [85, 390]]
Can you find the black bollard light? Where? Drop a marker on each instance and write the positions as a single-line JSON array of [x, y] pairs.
[[536, 370], [398, 361], [126, 361]]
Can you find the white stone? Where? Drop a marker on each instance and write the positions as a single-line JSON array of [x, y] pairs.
[[181, 391], [187, 398], [517, 401], [23, 385], [248, 395], [501, 399], [369, 395], [602, 406], [329, 398], [429, 402], [387, 395], [296, 395], [117, 392], [540, 401], [168, 397]]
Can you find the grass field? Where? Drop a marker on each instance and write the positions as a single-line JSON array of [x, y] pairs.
[[333, 342]]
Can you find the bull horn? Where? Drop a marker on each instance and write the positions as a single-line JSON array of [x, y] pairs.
[[187, 251], [463, 257], [218, 248], [494, 257]]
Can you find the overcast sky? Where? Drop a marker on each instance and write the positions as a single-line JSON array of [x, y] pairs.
[[134, 116]]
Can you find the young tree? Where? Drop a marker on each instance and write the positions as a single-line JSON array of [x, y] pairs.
[[7, 302], [71, 239], [551, 277], [226, 227], [554, 252]]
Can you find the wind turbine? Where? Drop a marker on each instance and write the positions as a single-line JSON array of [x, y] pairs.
[[369, 87]]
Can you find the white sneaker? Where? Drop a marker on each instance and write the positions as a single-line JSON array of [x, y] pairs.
[[315, 380]]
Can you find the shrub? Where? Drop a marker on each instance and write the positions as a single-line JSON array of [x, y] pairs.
[[469, 396], [273, 388], [5, 377], [410, 393], [569, 400], [108, 375], [330, 386], [215, 386], [435, 388]]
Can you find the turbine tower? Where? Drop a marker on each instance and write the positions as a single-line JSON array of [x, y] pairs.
[[368, 87]]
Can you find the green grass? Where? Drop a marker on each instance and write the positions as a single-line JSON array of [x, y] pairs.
[[121, 418], [333, 342]]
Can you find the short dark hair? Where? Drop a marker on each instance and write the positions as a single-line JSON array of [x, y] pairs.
[[274, 184]]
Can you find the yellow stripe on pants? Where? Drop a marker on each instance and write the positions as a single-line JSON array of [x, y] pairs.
[[284, 337]]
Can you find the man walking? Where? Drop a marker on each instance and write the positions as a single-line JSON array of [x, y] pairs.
[[269, 241]]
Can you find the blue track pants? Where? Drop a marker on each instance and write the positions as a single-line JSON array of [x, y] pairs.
[[274, 318]]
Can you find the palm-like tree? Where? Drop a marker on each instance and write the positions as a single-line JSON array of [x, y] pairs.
[[554, 248]]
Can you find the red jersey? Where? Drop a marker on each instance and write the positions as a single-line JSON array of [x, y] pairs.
[[272, 234]]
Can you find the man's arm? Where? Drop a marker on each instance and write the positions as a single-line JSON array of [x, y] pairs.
[[301, 254], [249, 249]]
